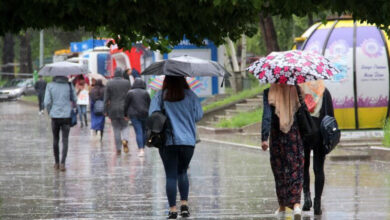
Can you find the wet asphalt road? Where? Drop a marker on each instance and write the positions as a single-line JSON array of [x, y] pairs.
[[226, 182]]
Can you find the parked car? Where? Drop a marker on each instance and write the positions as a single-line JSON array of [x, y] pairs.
[[15, 88]]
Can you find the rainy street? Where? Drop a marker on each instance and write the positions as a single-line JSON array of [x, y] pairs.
[[226, 182]]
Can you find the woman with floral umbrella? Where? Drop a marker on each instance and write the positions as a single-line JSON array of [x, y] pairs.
[[285, 70]]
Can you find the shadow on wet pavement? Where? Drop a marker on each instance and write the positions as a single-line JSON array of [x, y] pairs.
[[226, 182]]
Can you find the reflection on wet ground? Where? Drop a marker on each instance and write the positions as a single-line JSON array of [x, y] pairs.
[[226, 182]]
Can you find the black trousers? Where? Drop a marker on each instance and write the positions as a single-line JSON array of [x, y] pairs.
[[318, 167], [63, 125], [41, 98]]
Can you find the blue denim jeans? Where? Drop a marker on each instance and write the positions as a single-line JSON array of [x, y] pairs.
[[140, 131], [82, 111], [176, 160]]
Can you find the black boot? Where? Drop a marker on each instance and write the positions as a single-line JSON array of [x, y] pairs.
[[317, 206], [308, 204], [86, 121]]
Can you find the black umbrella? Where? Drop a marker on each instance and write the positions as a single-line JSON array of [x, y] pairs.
[[186, 66]]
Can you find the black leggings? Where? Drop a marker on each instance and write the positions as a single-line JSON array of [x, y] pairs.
[[318, 167], [63, 125], [176, 160]]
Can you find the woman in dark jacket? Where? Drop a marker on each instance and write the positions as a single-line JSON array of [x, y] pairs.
[[97, 121], [137, 108], [286, 146], [319, 102]]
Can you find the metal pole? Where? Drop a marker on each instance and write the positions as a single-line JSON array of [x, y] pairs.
[[41, 49]]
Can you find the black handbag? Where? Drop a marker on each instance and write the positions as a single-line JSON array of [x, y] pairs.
[[157, 126], [307, 127]]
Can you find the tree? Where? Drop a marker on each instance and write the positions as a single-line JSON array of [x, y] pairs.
[[8, 54], [267, 29], [25, 53], [162, 24]]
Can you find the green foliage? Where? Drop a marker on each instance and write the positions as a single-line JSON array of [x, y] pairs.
[[386, 134], [235, 97], [30, 98], [162, 24], [241, 119]]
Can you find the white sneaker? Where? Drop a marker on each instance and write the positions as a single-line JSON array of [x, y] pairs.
[[297, 213], [280, 214], [141, 153]]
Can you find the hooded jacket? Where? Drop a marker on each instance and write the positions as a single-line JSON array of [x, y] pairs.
[[58, 97], [137, 100], [115, 95]]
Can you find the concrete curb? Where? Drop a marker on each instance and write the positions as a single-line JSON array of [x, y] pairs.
[[379, 153], [230, 143], [208, 130]]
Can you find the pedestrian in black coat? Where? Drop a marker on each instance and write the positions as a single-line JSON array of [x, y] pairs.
[[40, 87]]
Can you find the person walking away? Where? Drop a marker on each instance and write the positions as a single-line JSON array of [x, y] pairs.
[[183, 109], [40, 87], [97, 120], [131, 74], [136, 108], [114, 101], [319, 102], [58, 97], [82, 102], [286, 146]]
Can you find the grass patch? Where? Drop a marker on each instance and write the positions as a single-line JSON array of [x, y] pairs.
[[235, 97], [241, 119], [30, 98], [386, 134]]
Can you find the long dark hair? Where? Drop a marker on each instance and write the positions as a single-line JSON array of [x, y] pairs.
[[174, 87]]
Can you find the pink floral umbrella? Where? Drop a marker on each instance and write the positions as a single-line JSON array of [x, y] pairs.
[[292, 67]]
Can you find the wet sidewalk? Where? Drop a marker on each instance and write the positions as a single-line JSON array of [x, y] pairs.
[[226, 182]]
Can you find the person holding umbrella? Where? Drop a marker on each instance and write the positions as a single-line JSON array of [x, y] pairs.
[[60, 95], [183, 109], [285, 70]]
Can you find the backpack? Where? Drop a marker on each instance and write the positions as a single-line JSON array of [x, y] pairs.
[[156, 127], [98, 108], [330, 133]]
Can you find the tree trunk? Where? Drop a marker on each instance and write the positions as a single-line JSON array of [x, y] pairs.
[[25, 53], [268, 32], [236, 81], [8, 55], [243, 56], [310, 19]]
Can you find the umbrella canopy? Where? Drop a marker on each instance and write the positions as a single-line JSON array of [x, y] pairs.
[[186, 66], [292, 67], [63, 69], [157, 82], [98, 76]]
